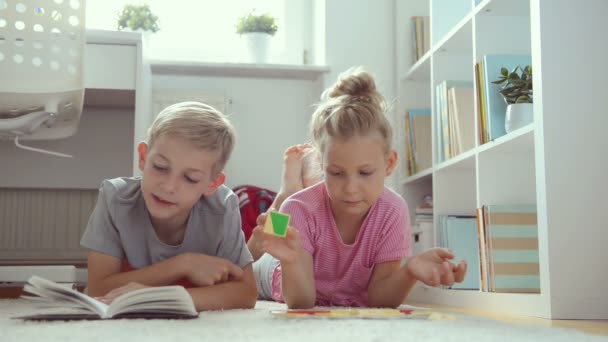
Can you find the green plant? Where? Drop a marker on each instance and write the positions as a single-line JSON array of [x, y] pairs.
[[137, 17], [516, 85], [256, 23]]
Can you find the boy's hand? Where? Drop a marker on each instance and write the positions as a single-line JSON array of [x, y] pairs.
[[205, 270], [285, 249], [433, 267], [117, 292]]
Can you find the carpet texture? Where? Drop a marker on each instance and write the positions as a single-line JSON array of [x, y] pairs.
[[259, 325]]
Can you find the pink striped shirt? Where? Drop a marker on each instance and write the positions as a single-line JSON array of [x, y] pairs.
[[342, 272]]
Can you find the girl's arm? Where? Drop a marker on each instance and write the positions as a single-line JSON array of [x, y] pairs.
[[390, 284], [297, 276], [298, 284]]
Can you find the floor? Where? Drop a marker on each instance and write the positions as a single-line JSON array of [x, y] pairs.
[[596, 327]]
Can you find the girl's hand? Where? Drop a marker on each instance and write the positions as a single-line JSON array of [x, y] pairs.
[[433, 267], [117, 292], [286, 249]]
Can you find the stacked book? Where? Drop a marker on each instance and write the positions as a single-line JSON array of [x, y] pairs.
[[508, 245], [455, 113], [423, 236], [418, 140]]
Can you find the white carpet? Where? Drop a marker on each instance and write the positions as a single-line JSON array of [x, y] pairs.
[[259, 325]]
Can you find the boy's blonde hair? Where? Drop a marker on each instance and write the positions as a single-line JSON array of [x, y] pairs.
[[200, 124], [352, 106]]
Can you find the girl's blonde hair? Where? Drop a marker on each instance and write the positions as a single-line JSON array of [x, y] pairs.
[[200, 124], [352, 106]]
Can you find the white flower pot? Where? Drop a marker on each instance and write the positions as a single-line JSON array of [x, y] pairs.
[[258, 45], [518, 115]]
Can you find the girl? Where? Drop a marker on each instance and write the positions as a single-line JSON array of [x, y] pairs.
[[348, 233]]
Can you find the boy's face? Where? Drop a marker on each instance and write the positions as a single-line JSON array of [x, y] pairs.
[[175, 176], [354, 173]]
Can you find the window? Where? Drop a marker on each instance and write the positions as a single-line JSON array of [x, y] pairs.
[[204, 30]]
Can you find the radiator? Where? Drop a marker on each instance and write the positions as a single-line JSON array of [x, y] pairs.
[[44, 226]]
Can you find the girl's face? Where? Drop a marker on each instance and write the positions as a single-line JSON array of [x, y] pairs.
[[354, 173]]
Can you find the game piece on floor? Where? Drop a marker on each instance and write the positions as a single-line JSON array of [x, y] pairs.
[[276, 224], [364, 313]]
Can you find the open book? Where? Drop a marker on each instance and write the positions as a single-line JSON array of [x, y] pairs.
[[151, 302]]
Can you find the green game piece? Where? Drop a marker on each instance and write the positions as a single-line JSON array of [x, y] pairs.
[[279, 223]]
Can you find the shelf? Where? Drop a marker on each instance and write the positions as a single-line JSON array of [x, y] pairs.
[[421, 70], [512, 8], [526, 304], [519, 141], [463, 161], [418, 177], [283, 71], [459, 39]]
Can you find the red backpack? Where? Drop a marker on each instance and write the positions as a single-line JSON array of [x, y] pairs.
[[253, 201]]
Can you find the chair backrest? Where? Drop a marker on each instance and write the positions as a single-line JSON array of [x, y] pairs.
[[41, 63]]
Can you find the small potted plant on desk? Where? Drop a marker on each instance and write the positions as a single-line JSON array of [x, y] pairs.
[[517, 93], [257, 30], [138, 18]]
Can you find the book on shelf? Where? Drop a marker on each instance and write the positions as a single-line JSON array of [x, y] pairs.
[[459, 233], [410, 166], [495, 105], [421, 138], [445, 128], [481, 105], [421, 36], [462, 115], [511, 239], [168, 302]]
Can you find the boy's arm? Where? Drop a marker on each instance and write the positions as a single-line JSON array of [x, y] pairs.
[[233, 294], [104, 273]]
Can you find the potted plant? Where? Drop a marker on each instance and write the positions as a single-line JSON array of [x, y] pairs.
[[257, 30], [138, 18], [517, 93]]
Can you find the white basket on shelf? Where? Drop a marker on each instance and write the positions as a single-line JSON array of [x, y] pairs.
[[41, 68]]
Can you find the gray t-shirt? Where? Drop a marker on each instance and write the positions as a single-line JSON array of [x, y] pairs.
[[120, 226]]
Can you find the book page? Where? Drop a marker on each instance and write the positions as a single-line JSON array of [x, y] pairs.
[[165, 299], [60, 294]]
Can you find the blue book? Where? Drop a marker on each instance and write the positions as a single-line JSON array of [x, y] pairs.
[[496, 106], [442, 112], [462, 239]]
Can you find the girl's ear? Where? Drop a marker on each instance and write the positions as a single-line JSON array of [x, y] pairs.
[[142, 150], [391, 163], [215, 183]]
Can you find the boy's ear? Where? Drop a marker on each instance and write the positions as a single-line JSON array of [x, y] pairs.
[[215, 183], [391, 163], [142, 150]]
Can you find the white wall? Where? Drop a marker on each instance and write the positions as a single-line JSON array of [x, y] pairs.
[[361, 32], [268, 114], [102, 148]]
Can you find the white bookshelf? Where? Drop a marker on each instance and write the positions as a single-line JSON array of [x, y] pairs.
[[558, 162]]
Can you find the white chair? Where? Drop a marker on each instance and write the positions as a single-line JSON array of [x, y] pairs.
[[41, 87], [41, 69]]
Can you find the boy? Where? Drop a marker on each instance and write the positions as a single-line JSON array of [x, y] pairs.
[[178, 223]]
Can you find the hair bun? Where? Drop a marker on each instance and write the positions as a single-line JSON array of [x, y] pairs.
[[354, 82]]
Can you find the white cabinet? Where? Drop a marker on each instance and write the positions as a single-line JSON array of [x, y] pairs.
[[559, 162]]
